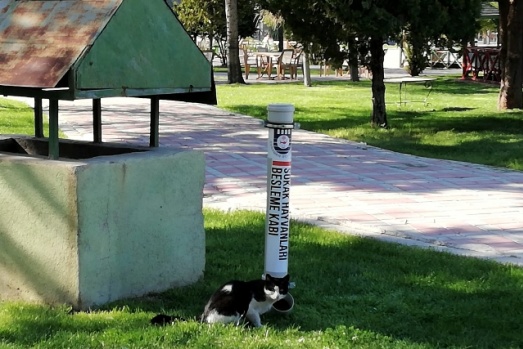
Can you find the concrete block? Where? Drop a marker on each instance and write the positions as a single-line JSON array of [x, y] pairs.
[[89, 231]]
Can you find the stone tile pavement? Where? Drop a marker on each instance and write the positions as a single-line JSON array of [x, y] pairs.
[[350, 187]]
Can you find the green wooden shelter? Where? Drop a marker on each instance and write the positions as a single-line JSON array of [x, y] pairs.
[[92, 49]]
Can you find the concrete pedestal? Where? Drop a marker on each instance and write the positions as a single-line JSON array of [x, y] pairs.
[[97, 229]]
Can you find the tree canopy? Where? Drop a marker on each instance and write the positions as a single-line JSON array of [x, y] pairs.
[[366, 24], [221, 20], [329, 23], [207, 17]]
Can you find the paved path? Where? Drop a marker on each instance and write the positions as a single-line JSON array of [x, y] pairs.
[[350, 187]]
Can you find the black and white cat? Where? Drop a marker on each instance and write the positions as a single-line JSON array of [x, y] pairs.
[[237, 300]]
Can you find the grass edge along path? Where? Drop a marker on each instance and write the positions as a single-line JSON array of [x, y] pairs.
[[461, 122]]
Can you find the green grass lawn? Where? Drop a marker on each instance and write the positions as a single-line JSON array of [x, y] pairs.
[[350, 293], [16, 118], [460, 123]]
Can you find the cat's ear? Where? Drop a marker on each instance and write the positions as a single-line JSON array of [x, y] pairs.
[[287, 278], [268, 277]]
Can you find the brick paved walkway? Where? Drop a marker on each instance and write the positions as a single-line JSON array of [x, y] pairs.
[[350, 187]]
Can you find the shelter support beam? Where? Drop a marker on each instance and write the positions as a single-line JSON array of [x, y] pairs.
[[54, 151], [155, 121], [39, 120], [97, 120]]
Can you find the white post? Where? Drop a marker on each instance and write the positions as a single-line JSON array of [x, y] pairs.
[[277, 224]]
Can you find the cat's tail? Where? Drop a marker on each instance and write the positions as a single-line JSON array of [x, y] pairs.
[[163, 319]]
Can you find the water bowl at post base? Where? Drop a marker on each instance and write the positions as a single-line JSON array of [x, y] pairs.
[[284, 305]]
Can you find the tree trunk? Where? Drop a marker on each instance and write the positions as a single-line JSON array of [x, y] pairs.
[[511, 55], [280, 38], [379, 112], [353, 60], [307, 82], [234, 69]]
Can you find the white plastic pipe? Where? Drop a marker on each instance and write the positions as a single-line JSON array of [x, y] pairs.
[[277, 223]]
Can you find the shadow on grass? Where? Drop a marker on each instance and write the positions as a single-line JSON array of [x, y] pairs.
[[412, 294], [407, 294], [457, 119], [457, 109], [463, 87], [491, 140], [450, 85]]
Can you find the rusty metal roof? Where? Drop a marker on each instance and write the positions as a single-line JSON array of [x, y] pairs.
[[40, 40], [74, 49]]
